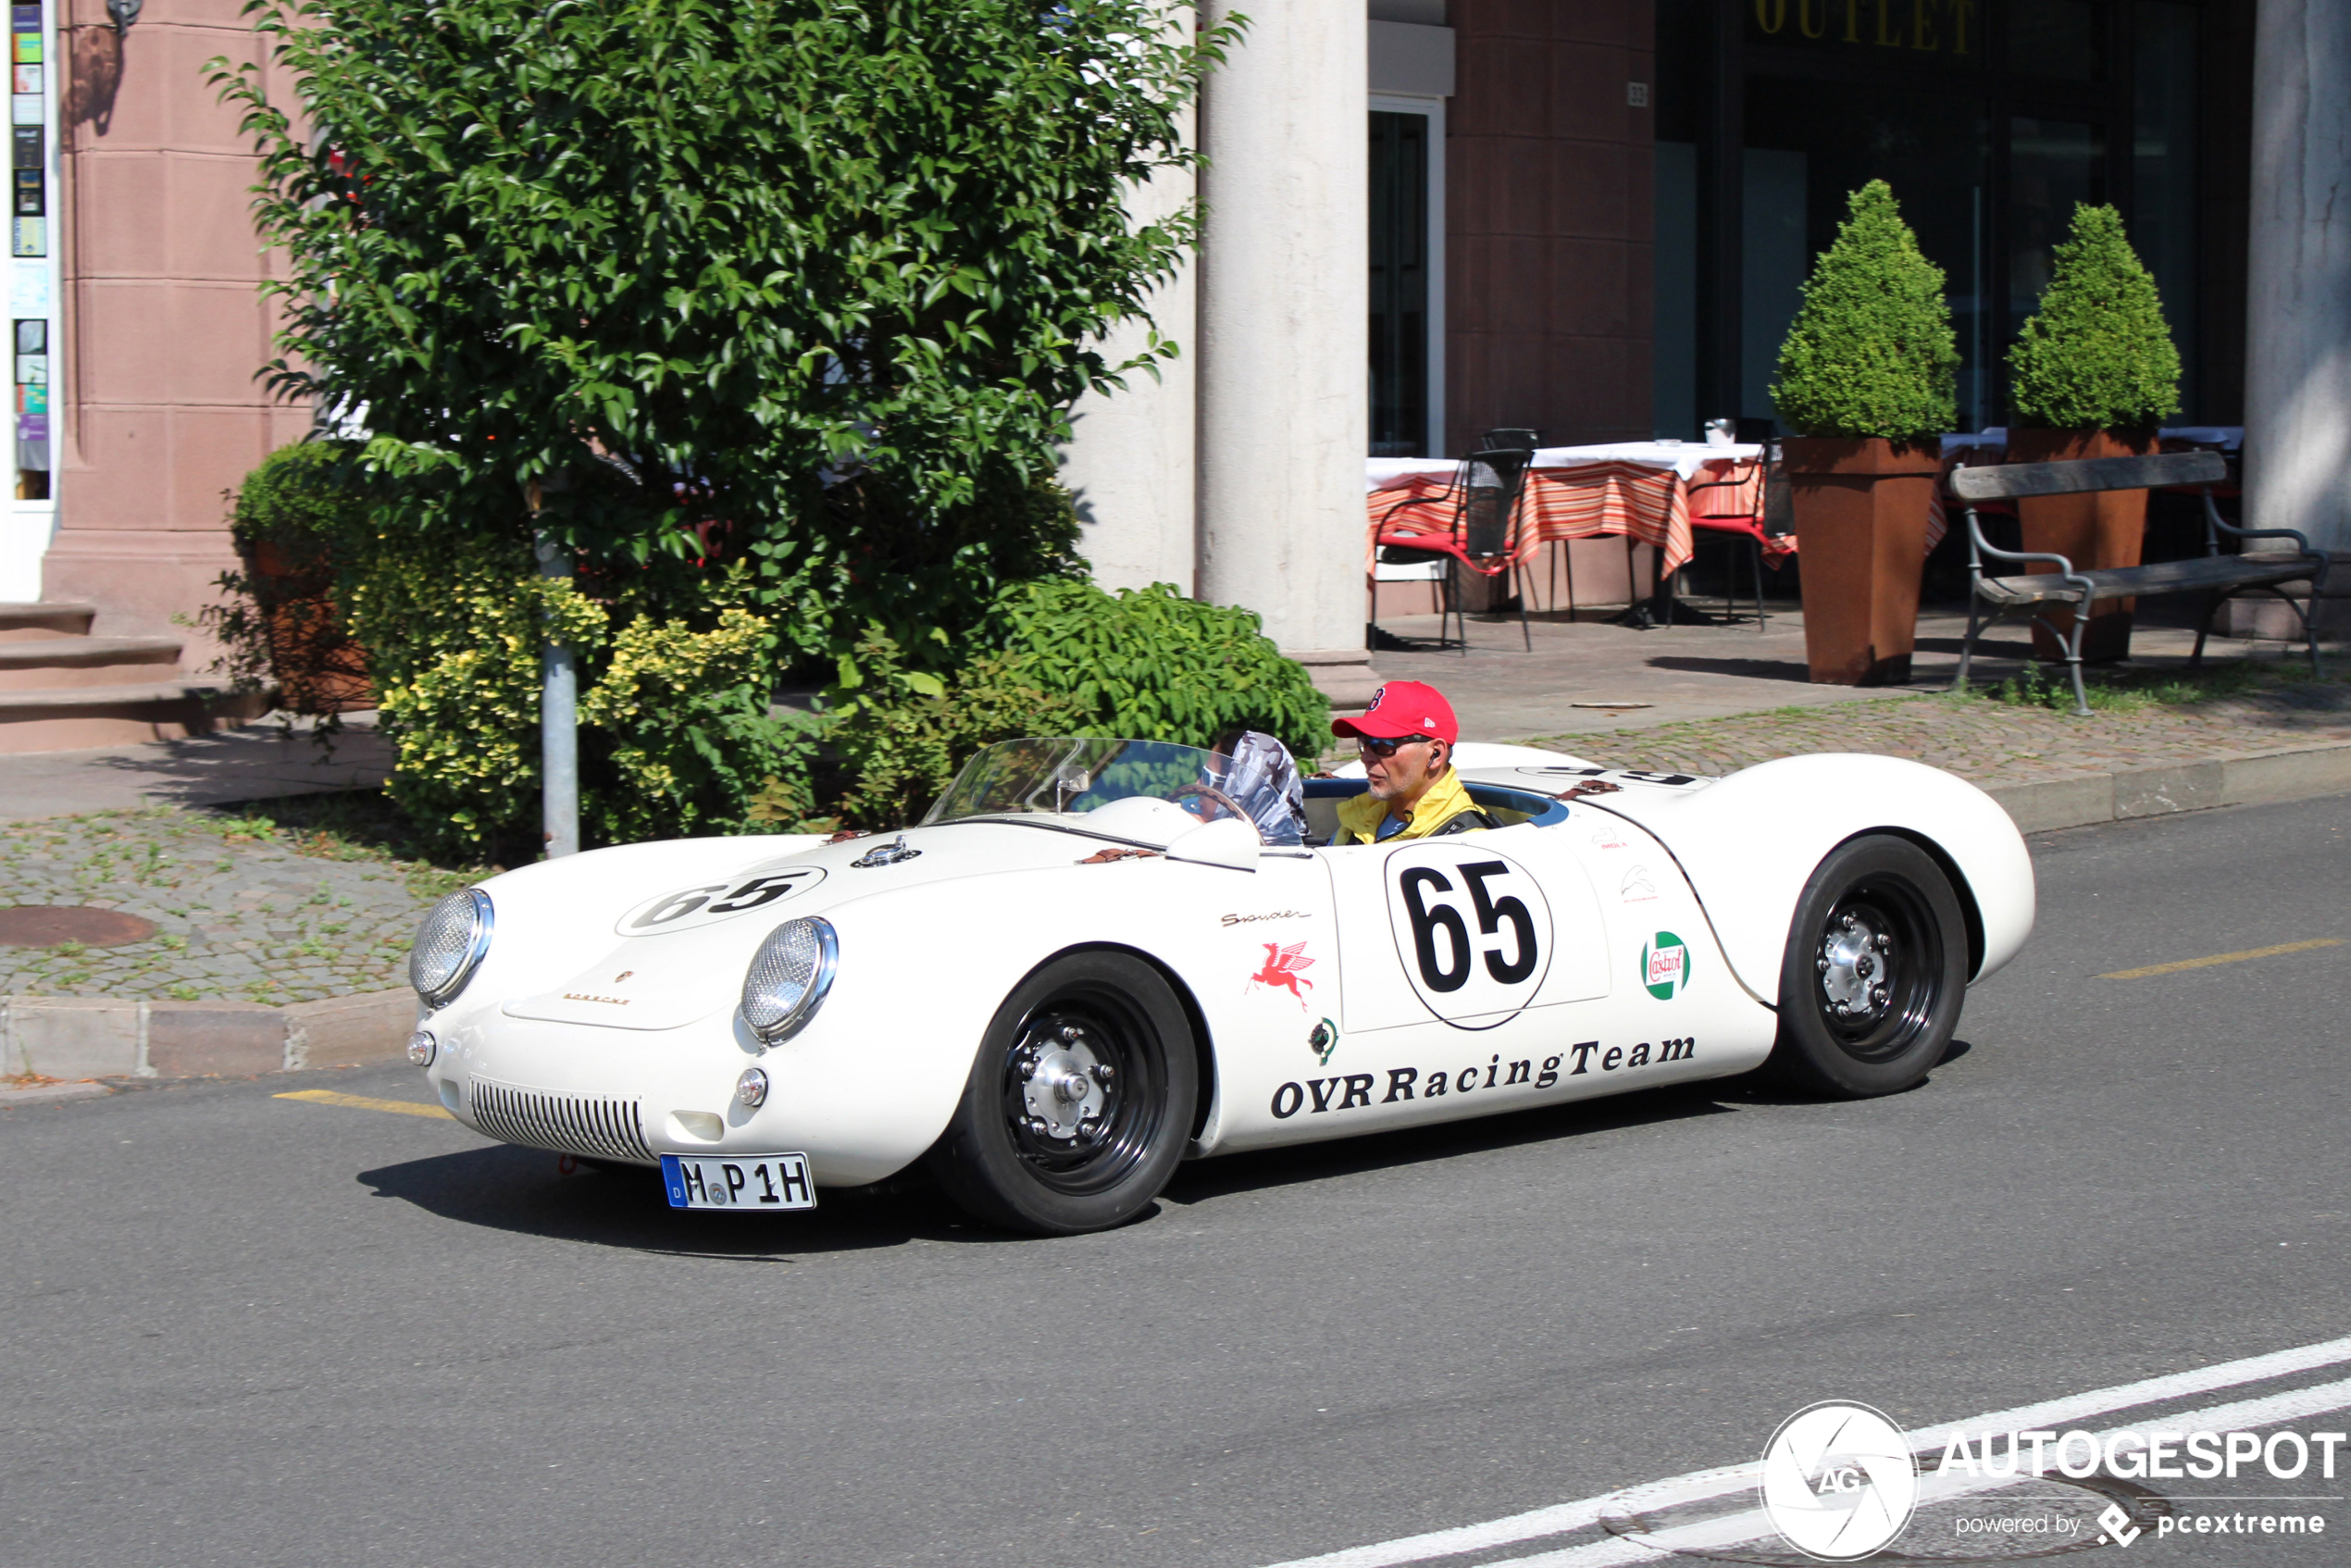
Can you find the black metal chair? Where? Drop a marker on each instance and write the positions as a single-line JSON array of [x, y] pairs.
[[1511, 440], [1483, 536]]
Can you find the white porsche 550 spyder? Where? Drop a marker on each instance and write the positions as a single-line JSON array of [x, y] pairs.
[[1086, 964]]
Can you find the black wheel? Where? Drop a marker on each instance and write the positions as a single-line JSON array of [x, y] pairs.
[[1875, 971], [1079, 1103]]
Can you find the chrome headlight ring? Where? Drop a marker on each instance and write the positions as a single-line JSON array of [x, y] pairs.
[[789, 977], [452, 940]]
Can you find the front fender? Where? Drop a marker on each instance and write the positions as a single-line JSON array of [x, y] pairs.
[[1749, 843]]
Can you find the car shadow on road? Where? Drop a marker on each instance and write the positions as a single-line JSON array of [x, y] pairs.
[[1201, 1180], [535, 1193], [532, 1192]]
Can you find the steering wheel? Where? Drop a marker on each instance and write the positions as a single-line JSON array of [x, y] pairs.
[[1211, 795]]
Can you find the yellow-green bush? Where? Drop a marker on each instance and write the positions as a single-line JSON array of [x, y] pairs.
[[675, 734]]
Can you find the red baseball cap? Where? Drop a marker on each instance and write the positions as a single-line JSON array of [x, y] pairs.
[[1401, 708]]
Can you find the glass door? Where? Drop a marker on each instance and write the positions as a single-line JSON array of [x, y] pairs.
[[1401, 284]]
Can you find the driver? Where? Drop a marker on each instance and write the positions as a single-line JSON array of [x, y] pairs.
[[1406, 740]]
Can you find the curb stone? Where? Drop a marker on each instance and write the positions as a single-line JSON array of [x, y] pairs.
[[43, 1093], [2082, 800], [77, 1038], [83, 1038]]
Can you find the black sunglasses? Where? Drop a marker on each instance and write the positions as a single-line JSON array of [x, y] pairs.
[[1384, 748]]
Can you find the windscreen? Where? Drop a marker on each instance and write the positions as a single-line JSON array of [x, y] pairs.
[[1070, 775]]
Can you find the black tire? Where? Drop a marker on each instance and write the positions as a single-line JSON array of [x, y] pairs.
[[1043, 1140], [1874, 974]]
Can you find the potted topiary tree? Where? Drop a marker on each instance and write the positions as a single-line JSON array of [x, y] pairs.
[[294, 527], [2092, 374], [1866, 382]]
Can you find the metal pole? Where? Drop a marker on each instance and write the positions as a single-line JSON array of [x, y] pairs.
[[558, 726]]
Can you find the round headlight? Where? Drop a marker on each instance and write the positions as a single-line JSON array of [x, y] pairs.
[[788, 976], [450, 942]]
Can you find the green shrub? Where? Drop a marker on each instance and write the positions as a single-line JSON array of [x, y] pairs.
[[675, 734], [1151, 664], [296, 501], [275, 619], [1871, 352], [2096, 356], [900, 734], [1053, 658]]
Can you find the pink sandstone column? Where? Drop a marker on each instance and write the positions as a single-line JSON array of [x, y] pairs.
[[164, 330]]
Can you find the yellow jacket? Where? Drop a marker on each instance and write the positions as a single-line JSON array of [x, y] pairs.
[[1359, 819]]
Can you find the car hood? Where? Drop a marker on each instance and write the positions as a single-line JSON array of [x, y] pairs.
[[673, 933]]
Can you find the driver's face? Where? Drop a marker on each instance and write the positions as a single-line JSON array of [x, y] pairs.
[[1404, 778]]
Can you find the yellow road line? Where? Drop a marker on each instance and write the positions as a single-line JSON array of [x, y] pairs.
[[2220, 958], [361, 1102]]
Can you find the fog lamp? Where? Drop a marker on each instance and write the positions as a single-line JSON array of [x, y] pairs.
[[751, 1089], [422, 1047]]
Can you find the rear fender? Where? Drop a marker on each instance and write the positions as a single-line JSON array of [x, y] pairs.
[[1749, 843]]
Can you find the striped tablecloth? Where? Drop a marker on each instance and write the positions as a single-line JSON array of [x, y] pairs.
[[1639, 489]]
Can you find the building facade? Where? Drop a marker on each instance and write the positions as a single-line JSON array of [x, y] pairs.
[[1423, 220]]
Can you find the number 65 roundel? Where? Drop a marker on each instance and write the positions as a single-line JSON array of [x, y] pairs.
[[1473, 930]]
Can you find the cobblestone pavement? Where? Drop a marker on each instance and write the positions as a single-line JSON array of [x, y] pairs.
[[1986, 740], [246, 911]]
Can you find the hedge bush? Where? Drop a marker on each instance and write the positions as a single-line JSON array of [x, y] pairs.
[[2096, 355], [1151, 664], [677, 661], [1871, 352], [1053, 658]]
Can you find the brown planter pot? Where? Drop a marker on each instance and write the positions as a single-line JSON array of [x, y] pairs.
[[2089, 530], [318, 668], [1860, 536]]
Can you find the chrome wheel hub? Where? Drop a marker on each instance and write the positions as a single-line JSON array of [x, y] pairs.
[[1857, 966], [1064, 1087]]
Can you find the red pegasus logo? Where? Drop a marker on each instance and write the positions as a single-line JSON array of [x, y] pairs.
[[1282, 966]]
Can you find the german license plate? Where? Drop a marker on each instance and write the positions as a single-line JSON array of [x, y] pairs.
[[737, 1181]]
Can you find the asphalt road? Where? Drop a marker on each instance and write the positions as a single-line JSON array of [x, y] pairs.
[[243, 1329]]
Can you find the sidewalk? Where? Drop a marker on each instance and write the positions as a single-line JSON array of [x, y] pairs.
[[1674, 674], [1711, 700], [260, 762]]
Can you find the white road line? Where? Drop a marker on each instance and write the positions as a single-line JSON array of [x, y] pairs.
[[1560, 1518], [1751, 1524]]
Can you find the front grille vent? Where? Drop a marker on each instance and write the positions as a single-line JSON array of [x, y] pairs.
[[611, 1129]]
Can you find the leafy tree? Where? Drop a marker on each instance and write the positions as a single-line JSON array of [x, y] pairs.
[[1871, 352], [2096, 354], [811, 281]]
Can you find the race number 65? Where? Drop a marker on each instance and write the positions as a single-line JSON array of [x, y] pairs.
[[1474, 930]]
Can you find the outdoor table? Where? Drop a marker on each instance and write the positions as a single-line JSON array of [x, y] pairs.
[[1638, 490]]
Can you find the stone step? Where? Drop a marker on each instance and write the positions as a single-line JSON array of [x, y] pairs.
[[64, 718], [39, 621], [56, 662]]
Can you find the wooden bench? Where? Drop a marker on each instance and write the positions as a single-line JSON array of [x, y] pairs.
[[2222, 577]]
